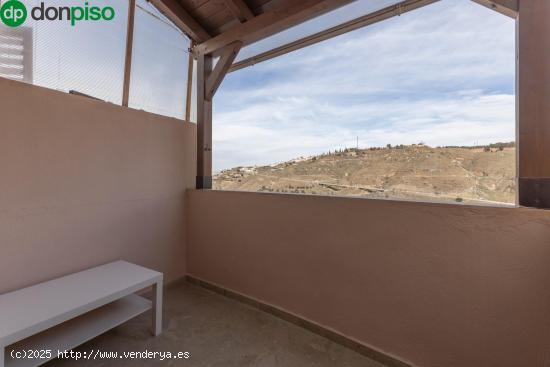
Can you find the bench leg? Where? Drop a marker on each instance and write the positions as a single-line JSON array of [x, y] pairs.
[[2, 360], [157, 309]]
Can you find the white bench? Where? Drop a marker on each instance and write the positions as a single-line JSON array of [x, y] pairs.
[[63, 313]]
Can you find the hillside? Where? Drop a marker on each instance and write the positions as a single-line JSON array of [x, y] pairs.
[[468, 174]]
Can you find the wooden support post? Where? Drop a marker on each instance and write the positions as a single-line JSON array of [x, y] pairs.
[[208, 81], [534, 103], [204, 124], [129, 48], [188, 100]]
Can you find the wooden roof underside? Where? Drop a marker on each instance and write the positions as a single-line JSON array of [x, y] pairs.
[[214, 24]]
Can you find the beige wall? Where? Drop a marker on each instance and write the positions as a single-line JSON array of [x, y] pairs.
[[435, 285], [85, 182]]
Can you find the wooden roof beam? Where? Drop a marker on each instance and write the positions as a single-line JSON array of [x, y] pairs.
[[506, 7], [182, 19], [270, 22], [239, 9], [363, 21]]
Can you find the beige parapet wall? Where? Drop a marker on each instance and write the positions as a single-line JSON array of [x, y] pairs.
[[84, 182], [432, 284]]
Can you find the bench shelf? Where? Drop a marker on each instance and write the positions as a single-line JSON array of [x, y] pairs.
[[71, 334]]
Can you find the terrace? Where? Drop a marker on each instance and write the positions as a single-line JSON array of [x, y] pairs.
[[301, 279]]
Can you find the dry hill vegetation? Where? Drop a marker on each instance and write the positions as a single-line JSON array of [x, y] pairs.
[[418, 172]]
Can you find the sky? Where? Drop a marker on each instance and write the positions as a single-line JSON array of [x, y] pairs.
[[442, 75]]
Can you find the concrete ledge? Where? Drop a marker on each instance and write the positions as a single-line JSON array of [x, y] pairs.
[[332, 335]]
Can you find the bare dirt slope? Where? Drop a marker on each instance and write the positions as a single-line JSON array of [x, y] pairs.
[[479, 174]]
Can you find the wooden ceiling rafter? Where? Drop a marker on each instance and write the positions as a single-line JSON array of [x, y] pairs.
[[239, 9], [270, 22], [177, 14], [507, 7], [214, 24]]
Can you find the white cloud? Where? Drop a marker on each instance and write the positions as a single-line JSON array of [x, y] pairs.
[[443, 75]]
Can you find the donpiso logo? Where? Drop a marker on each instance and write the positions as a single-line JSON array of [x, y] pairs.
[[14, 13]]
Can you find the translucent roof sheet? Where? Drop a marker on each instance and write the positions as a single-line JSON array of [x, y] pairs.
[[326, 21], [159, 64]]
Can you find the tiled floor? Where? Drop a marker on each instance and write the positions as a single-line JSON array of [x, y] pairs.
[[217, 331]]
